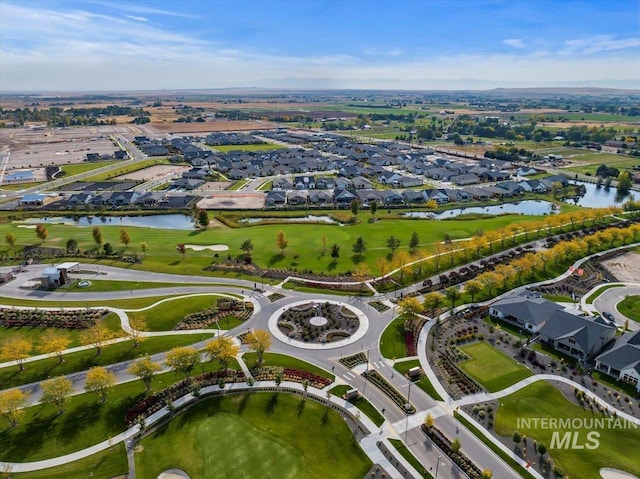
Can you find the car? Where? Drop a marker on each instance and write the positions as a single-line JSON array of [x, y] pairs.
[[608, 315]]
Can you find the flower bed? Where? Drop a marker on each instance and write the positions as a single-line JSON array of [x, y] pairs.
[[205, 318], [410, 342], [157, 401], [379, 306], [443, 442], [340, 322], [40, 318], [271, 373], [352, 288], [457, 377], [353, 360], [275, 297], [381, 383]]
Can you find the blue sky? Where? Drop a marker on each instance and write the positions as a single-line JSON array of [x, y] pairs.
[[397, 44]]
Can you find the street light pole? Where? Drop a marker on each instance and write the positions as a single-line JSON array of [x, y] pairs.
[[406, 412], [437, 465]]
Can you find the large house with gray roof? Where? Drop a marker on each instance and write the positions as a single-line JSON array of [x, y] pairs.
[[528, 313], [622, 361]]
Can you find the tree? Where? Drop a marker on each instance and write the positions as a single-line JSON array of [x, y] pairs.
[[429, 420], [203, 218], [99, 380], [455, 445], [182, 249], [108, 249], [16, 348], [97, 335], [281, 241], [489, 280], [324, 244], [138, 327], [410, 307], [624, 183], [97, 236], [124, 238], [414, 242], [56, 391], [373, 208], [542, 449], [432, 302], [12, 404], [401, 260], [246, 246], [144, 246], [335, 252], [453, 294], [359, 246], [183, 359], [41, 232], [487, 474], [72, 246], [11, 239], [355, 207], [516, 437], [145, 369], [222, 350], [259, 340], [472, 288], [55, 342], [393, 243]]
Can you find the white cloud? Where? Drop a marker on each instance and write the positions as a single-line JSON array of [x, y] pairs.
[[599, 44], [515, 42], [136, 18]]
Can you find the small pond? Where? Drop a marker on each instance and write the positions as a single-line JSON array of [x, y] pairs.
[[527, 207], [299, 219], [169, 221], [600, 197]]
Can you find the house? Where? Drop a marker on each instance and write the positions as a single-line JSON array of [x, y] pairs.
[[79, 199], [529, 313], [439, 196], [93, 157], [304, 183], [56, 276], [20, 176], [343, 197], [464, 179], [297, 198], [439, 173], [282, 184], [186, 184], [390, 197], [123, 198], [412, 196], [535, 186], [120, 155], [275, 198], [196, 173], [367, 197], [511, 187], [409, 181], [526, 171], [622, 361], [581, 337], [320, 197], [325, 183], [457, 195], [495, 176], [360, 183], [150, 198], [390, 178], [36, 200]]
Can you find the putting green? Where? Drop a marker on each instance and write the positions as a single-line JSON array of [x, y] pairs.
[[254, 435]]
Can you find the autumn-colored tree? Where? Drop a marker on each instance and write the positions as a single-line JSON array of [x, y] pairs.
[[506, 272], [183, 359], [97, 335], [16, 348], [138, 327], [489, 280], [472, 288], [453, 294], [56, 391], [432, 302], [12, 404], [11, 239], [400, 261], [382, 265], [144, 246], [97, 236], [410, 307], [222, 350], [145, 369], [55, 342], [182, 249], [259, 341], [124, 238], [324, 240], [360, 273], [429, 421], [41, 232], [281, 241], [99, 380]]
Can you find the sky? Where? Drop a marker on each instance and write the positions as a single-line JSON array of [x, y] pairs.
[[106, 45]]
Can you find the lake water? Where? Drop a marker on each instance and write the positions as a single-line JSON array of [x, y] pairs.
[[170, 221], [600, 197], [527, 207], [300, 219]]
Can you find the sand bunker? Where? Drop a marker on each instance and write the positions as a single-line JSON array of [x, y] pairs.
[[31, 227], [212, 247], [173, 474], [610, 473]]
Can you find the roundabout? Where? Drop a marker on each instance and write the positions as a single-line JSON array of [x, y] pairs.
[[322, 325]]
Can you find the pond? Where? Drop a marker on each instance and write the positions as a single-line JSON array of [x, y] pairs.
[[600, 197], [299, 219], [169, 221], [527, 207]]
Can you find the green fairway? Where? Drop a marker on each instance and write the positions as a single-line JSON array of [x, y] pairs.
[[165, 316], [275, 359], [10, 376], [109, 463], [103, 285], [254, 435], [392, 345], [423, 383], [630, 307], [541, 400], [491, 367]]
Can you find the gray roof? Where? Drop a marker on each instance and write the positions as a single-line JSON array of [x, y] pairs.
[[624, 354], [530, 310], [586, 331]]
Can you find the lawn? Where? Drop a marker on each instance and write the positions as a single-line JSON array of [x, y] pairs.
[[361, 403], [43, 433], [542, 400], [490, 367], [105, 285], [630, 307], [410, 458], [34, 335], [128, 168], [392, 345], [165, 316], [77, 168], [109, 463], [80, 361], [130, 303], [254, 435], [423, 383], [275, 359]]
